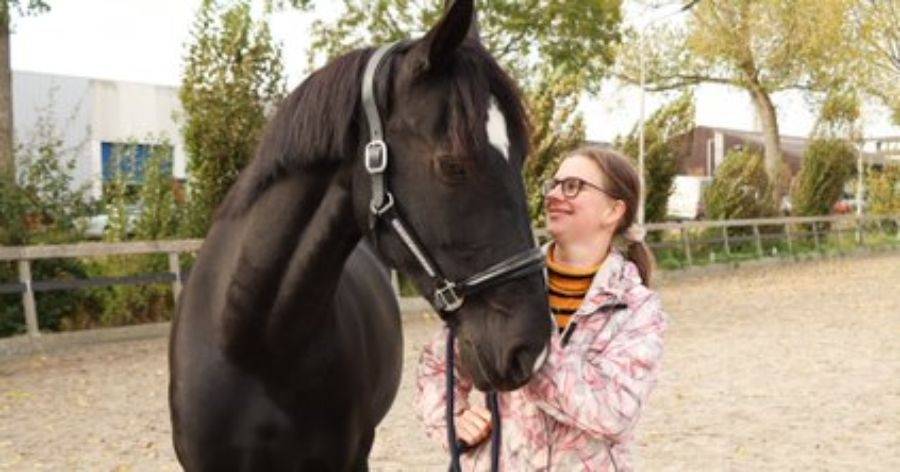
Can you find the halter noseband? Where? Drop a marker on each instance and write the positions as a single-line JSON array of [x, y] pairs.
[[448, 295]]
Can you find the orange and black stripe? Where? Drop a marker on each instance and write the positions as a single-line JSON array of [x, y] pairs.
[[568, 286]]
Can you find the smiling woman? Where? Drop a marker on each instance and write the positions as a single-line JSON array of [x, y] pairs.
[[580, 408]]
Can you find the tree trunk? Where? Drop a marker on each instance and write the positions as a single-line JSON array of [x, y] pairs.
[[771, 141], [7, 162]]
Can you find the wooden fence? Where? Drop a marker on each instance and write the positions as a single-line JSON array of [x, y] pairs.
[[682, 237]]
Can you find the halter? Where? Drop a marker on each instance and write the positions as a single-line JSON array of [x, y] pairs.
[[448, 295]]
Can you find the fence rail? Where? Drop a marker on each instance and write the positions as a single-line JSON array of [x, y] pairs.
[[674, 243]]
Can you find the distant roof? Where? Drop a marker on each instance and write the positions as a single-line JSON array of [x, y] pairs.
[[793, 147]]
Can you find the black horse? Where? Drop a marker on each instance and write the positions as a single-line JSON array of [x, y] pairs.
[[286, 347]]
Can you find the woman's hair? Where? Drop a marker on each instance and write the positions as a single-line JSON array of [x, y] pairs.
[[623, 182]]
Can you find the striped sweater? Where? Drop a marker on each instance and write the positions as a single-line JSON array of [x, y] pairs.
[[568, 286]]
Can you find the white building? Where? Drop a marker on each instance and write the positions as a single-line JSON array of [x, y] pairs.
[[96, 117]]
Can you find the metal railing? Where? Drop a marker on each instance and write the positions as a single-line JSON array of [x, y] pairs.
[[685, 241]]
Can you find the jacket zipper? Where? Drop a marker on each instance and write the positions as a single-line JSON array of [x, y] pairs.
[[567, 334]]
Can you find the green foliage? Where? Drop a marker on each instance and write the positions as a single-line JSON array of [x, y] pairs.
[[740, 189], [838, 116], [558, 128], [233, 76], [145, 212], [827, 165], [42, 207], [660, 156], [878, 47], [884, 191], [275, 5], [160, 212], [761, 47], [22, 7], [573, 36]]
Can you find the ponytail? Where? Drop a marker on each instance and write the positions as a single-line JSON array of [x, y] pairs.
[[639, 253]]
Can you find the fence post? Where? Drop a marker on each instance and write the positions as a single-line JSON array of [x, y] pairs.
[[685, 238], [727, 245], [815, 225], [759, 249], [790, 243], [840, 239], [31, 319], [859, 232], [175, 269]]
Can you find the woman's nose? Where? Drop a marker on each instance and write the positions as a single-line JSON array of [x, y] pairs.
[[555, 195]]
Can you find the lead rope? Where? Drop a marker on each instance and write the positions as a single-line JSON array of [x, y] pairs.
[[457, 447]]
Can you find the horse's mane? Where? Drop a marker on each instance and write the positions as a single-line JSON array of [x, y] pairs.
[[319, 124]]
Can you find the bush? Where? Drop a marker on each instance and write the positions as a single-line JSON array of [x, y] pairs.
[[827, 165], [884, 191], [158, 219], [40, 206], [740, 189]]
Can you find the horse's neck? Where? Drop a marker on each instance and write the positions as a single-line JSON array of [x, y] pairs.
[[296, 238]]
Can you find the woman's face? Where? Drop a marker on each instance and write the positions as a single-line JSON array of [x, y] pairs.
[[589, 213]]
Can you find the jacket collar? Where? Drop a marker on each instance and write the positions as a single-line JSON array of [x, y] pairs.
[[611, 282]]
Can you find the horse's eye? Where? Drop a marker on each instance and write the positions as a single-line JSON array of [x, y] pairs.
[[452, 169]]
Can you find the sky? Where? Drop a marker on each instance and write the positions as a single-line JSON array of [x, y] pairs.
[[143, 41]]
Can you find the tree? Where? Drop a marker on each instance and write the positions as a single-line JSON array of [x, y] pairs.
[[760, 46], [879, 47], [554, 60], [7, 162], [661, 157], [233, 75], [573, 37]]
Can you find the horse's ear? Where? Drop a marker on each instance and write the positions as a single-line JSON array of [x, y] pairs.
[[436, 48]]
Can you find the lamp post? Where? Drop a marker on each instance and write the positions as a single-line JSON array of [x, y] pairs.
[[643, 73]]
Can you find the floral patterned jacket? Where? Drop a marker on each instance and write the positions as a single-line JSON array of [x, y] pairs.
[[579, 410]]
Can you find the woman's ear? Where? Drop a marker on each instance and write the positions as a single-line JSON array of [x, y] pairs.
[[615, 214]]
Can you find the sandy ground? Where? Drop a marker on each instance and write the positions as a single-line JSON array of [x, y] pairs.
[[793, 367]]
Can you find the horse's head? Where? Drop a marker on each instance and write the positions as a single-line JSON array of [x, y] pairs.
[[457, 138]]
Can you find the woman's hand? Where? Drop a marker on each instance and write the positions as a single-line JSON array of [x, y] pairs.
[[473, 425]]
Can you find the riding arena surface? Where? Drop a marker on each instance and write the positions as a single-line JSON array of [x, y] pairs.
[[788, 367]]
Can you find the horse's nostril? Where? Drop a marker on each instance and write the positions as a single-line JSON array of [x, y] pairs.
[[520, 364]]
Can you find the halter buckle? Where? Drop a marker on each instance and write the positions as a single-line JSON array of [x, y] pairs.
[[446, 300], [385, 207], [376, 157]]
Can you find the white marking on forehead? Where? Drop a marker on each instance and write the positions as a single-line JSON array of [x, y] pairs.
[[497, 132]]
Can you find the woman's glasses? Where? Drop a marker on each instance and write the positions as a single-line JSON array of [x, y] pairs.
[[571, 186]]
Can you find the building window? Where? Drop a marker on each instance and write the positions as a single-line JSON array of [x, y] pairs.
[[130, 159]]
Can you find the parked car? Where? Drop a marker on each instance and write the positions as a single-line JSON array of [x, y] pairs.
[[95, 227], [847, 205]]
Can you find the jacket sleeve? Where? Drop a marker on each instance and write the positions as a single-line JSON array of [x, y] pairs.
[[431, 388], [601, 389]]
